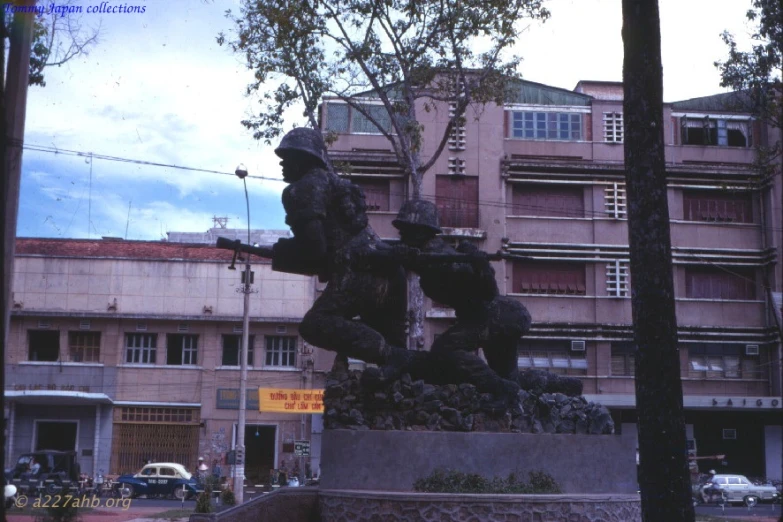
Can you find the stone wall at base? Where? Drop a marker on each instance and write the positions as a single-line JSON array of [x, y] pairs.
[[426, 507], [284, 505], [394, 460]]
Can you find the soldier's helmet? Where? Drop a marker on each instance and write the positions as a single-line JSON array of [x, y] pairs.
[[419, 213], [305, 140]]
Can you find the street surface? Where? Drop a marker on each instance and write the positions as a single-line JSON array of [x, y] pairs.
[[761, 511]]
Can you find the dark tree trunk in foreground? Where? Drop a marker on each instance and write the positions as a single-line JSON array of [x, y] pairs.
[[664, 478]]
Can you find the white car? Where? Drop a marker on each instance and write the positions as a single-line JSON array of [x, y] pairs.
[[739, 489]]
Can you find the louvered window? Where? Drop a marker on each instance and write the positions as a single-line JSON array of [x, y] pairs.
[[615, 201], [717, 206], [551, 356], [549, 278], [457, 201], [548, 200], [721, 283], [617, 279], [376, 193], [457, 136], [622, 359], [724, 361], [613, 127], [456, 166]]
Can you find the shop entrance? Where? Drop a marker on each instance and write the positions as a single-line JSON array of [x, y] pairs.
[[259, 452], [55, 435]]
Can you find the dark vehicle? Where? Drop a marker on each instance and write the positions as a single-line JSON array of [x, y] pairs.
[[47, 471], [159, 479]]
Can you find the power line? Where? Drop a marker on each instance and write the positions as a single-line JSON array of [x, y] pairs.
[[105, 157]]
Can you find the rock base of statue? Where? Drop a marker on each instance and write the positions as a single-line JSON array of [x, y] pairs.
[[407, 405], [379, 440]]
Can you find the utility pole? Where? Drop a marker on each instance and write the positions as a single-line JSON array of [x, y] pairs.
[[239, 453], [13, 107]]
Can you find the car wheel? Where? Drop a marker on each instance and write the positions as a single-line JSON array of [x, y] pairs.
[[179, 494], [52, 488], [126, 491], [751, 501]]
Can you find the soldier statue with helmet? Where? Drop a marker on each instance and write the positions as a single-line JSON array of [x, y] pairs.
[[484, 318], [360, 314]]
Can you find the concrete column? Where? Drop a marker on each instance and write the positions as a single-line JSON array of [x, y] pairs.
[[10, 435], [773, 438], [96, 442]]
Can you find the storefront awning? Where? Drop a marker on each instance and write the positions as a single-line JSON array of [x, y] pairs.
[[56, 397]]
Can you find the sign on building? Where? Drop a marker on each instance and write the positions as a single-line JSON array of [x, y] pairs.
[[302, 448], [290, 400], [228, 399]]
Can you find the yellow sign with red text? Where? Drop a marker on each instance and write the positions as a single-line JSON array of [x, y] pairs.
[[290, 400]]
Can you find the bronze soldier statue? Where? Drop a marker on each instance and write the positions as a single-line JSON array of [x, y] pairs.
[[360, 314], [485, 319]]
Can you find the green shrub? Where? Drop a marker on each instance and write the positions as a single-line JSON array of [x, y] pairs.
[[204, 501], [451, 481], [227, 497]]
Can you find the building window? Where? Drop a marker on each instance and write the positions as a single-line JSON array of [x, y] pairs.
[[551, 356], [548, 200], [725, 283], [623, 359], [617, 279], [181, 349], [456, 166], [546, 125], [342, 118], [140, 348], [232, 346], [613, 127], [717, 206], [280, 351], [376, 193], [615, 201], [84, 346], [457, 135], [715, 131], [44, 345], [724, 361], [457, 201], [549, 278]]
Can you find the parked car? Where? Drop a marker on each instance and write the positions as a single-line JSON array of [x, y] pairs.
[[56, 471], [739, 489], [159, 479]]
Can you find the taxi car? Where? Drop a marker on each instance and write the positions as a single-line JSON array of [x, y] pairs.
[[159, 479], [739, 489]]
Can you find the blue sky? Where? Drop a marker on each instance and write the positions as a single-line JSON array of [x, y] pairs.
[[158, 88]]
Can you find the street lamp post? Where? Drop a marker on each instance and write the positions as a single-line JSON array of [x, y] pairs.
[[239, 453]]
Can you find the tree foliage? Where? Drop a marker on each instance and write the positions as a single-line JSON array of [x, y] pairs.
[[757, 71], [407, 54], [57, 38]]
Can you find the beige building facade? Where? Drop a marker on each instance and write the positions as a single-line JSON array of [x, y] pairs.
[[129, 350], [542, 177]]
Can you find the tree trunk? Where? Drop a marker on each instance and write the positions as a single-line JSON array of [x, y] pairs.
[[664, 478]]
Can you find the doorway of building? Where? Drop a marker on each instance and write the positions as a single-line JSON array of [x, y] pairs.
[[259, 452], [55, 435]]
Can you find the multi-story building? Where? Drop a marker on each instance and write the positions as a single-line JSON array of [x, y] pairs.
[[129, 350], [542, 176]]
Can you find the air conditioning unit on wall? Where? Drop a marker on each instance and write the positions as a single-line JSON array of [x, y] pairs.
[[577, 346], [751, 349]]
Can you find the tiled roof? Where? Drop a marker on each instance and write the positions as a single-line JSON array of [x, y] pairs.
[[725, 102], [118, 248]]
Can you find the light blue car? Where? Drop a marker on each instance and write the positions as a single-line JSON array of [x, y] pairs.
[[161, 479]]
